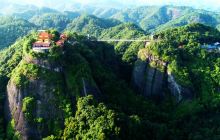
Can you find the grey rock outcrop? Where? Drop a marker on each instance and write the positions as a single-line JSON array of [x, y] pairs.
[[48, 97], [147, 80], [45, 108], [153, 81]]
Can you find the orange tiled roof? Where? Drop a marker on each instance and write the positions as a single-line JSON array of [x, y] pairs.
[[45, 35]]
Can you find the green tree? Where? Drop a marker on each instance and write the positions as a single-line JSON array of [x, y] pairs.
[[92, 121]]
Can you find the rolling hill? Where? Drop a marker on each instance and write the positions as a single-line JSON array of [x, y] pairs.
[[57, 21], [13, 28], [92, 25], [153, 17]]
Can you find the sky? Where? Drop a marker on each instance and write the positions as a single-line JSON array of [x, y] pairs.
[[204, 4]]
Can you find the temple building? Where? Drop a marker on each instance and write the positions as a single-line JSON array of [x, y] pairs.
[[60, 42], [44, 42]]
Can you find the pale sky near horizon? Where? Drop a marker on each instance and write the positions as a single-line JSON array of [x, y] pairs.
[[194, 3]]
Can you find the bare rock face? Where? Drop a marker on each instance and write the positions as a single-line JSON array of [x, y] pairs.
[[46, 107], [13, 110], [152, 81], [139, 75], [178, 91], [147, 80], [48, 92]]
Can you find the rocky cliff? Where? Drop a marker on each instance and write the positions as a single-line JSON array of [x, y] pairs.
[[35, 100], [152, 79], [38, 98], [148, 80]]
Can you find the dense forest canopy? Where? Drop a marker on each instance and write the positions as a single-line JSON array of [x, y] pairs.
[[149, 18], [120, 113], [85, 88], [13, 28]]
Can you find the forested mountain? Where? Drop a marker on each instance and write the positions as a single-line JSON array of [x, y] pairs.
[[13, 28], [146, 17], [91, 62], [149, 18], [92, 90], [110, 29], [87, 24], [204, 17], [164, 86], [58, 21]]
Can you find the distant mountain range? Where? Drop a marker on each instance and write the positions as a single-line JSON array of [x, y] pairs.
[[153, 18], [149, 18]]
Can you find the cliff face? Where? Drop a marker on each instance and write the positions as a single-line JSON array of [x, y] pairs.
[[40, 102], [13, 110], [154, 80], [46, 108], [178, 91], [149, 81]]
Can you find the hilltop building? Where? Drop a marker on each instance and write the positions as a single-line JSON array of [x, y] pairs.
[[43, 44], [60, 42]]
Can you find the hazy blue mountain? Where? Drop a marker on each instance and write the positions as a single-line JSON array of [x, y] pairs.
[[105, 12], [29, 13], [9, 9]]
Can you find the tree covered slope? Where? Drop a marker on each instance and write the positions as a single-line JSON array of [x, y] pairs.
[[86, 89], [149, 18], [204, 17], [87, 24], [153, 18], [111, 29], [109, 108], [13, 28], [57, 21]]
